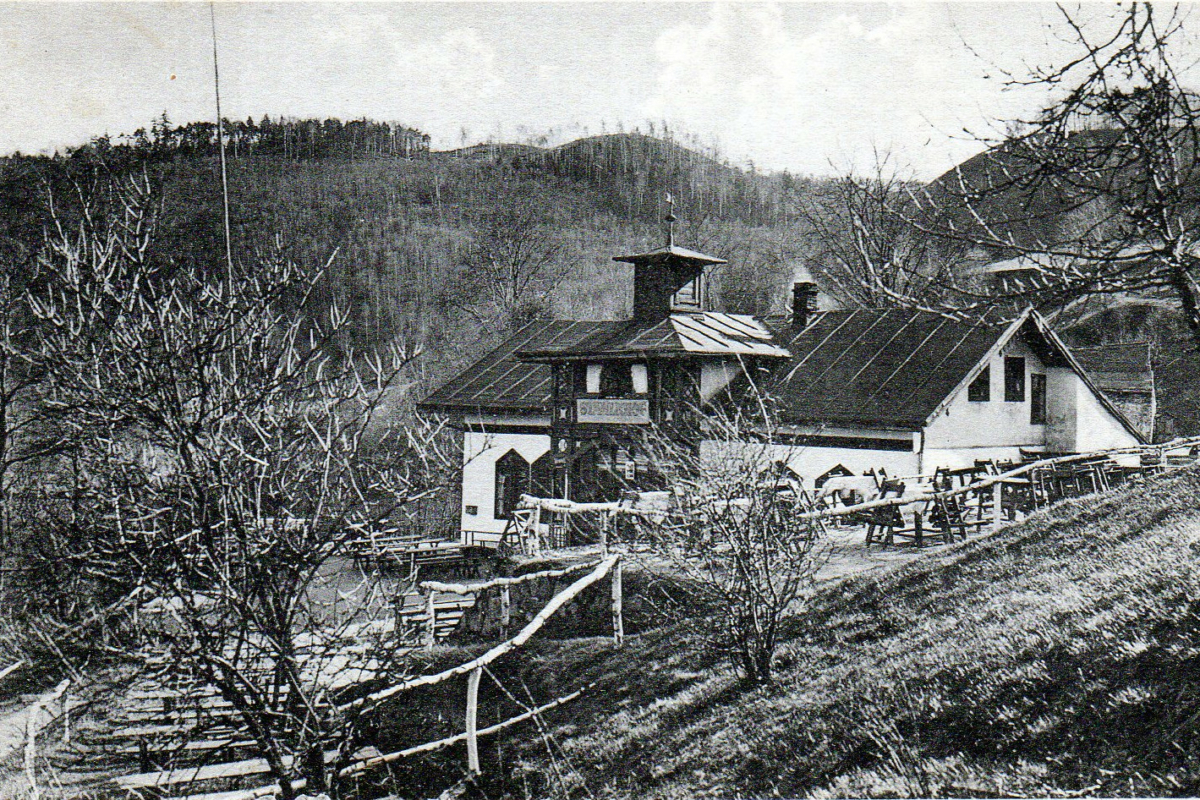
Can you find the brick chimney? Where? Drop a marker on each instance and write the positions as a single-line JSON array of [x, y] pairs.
[[804, 302]]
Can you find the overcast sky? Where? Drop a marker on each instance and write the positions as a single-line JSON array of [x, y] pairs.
[[809, 87]]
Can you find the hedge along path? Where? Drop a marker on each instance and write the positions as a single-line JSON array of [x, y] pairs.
[[562, 598], [996, 480]]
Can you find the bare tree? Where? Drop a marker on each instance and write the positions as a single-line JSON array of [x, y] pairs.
[[737, 538], [27, 436], [224, 457], [867, 247], [1098, 193], [515, 259]]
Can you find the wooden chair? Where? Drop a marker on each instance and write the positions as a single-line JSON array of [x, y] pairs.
[[1151, 462], [986, 466], [1029, 456], [1115, 474], [879, 475], [1044, 489], [950, 518], [884, 522], [942, 480]]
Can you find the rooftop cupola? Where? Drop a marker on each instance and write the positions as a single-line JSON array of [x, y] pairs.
[[669, 278]]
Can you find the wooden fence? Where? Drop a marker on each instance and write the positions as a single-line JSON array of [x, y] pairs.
[[433, 588], [473, 669], [996, 482]]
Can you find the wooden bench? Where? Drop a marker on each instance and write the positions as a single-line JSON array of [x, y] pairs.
[[406, 550], [449, 609]]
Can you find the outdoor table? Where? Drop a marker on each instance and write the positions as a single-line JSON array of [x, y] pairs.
[[998, 497], [915, 509], [845, 486]]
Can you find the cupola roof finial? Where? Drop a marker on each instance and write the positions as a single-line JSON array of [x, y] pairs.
[[670, 219]]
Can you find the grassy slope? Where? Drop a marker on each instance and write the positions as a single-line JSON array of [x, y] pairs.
[[1059, 655]]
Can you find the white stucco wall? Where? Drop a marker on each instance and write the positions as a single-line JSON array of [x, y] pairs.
[[1096, 428], [480, 452], [1079, 422], [716, 375], [1062, 402], [959, 458], [811, 461], [995, 423]]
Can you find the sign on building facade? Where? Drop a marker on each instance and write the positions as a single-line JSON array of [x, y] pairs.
[[616, 412]]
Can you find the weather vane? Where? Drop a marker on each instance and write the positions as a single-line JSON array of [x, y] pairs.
[[670, 218]]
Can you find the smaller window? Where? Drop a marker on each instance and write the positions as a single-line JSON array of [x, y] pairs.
[[593, 378], [980, 390], [1037, 399], [641, 380], [1014, 379]]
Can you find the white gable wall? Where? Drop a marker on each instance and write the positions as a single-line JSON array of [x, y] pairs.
[[1063, 388], [810, 461], [480, 453], [995, 423], [1079, 421]]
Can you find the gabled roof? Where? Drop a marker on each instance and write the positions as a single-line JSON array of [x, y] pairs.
[[898, 368], [499, 382], [673, 253], [877, 368], [893, 368], [705, 333], [1118, 367]]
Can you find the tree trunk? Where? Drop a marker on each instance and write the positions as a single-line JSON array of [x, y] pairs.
[[1187, 290]]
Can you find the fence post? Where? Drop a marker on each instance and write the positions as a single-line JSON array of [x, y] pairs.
[[605, 517], [505, 607], [534, 548], [617, 620], [997, 505], [430, 620], [472, 720]]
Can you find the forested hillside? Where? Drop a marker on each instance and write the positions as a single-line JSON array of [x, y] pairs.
[[446, 251], [440, 250]]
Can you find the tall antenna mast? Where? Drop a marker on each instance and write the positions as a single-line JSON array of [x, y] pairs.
[[212, 15]]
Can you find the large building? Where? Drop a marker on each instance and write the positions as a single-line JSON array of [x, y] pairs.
[[557, 408]]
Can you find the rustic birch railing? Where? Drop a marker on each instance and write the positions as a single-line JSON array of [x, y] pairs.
[[432, 588], [600, 570], [610, 565], [474, 668], [526, 521]]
